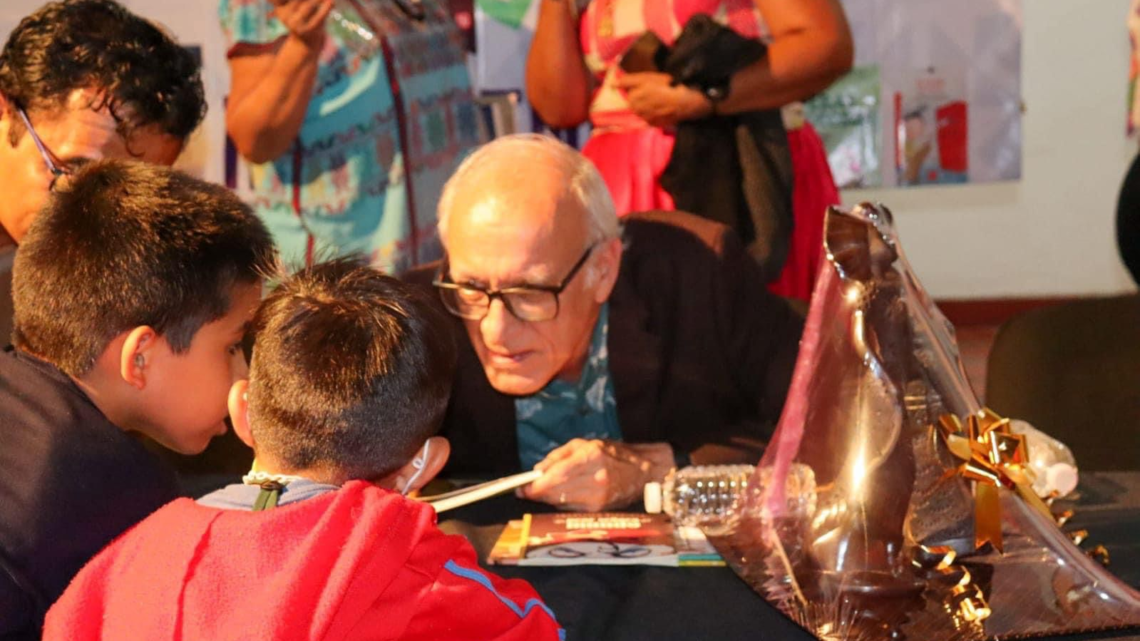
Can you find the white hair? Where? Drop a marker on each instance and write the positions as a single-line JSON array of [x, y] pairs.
[[583, 182]]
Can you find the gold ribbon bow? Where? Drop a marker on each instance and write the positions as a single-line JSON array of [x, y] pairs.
[[992, 456]]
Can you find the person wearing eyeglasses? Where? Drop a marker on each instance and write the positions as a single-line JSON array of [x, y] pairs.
[[603, 357], [82, 80]]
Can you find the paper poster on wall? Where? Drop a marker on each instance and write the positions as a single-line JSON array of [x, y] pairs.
[[972, 132], [507, 12], [932, 128], [503, 31], [846, 116]]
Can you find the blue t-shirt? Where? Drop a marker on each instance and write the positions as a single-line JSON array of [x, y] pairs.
[[562, 411]]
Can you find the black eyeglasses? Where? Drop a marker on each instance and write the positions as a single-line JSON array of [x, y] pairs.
[[529, 303], [55, 166]]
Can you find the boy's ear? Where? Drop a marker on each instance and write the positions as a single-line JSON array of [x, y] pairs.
[[239, 411], [438, 450], [137, 353]]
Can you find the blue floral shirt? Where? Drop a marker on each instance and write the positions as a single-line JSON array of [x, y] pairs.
[[562, 411]]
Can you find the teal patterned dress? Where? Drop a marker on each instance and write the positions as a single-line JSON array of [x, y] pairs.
[[390, 119]]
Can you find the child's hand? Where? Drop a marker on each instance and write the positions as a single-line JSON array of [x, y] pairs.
[[305, 19]]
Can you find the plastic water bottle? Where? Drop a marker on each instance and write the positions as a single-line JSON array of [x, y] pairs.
[[355, 34], [1054, 468], [701, 495]]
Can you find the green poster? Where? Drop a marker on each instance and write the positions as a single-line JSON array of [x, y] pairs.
[[508, 12], [846, 116]]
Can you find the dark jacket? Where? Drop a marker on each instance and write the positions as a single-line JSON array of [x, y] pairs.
[[70, 482], [699, 352]]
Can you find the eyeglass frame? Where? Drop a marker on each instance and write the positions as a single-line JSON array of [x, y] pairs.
[[491, 294], [54, 164]]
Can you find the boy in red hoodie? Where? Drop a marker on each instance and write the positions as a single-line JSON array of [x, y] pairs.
[[349, 381]]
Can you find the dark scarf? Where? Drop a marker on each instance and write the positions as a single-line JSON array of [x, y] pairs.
[[735, 169]]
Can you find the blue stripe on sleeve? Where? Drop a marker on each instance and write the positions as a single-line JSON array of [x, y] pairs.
[[481, 579]]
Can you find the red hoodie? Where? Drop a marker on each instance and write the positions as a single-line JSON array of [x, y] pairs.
[[357, 563]]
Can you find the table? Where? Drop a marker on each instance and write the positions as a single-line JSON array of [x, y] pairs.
[[643, 602]]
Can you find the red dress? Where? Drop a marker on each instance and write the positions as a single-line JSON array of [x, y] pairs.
[[631, 154]]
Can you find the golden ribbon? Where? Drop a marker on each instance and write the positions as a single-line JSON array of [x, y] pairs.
[[992, 456], [967, 601]]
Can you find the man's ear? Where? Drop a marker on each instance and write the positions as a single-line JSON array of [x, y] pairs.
[[238, 404], [138, 351], [607, 266], [438, 450]]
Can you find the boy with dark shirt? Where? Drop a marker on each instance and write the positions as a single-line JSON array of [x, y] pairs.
[[132, 291], [349, 380]]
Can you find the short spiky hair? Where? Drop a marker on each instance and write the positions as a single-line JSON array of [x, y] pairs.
[[351, 371], [144, 77], [126, 244]]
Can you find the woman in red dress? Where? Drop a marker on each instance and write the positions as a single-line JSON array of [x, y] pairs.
[[573, 75]]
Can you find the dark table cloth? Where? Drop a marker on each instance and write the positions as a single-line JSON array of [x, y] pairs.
[[642, 602]]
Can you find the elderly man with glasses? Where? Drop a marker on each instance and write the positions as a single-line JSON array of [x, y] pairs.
[[603, 357], [82, 80]]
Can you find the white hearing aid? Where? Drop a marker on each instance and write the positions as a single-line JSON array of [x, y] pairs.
[[419, 463]]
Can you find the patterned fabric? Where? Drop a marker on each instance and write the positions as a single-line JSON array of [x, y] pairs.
[[562, 411], [344, 185]]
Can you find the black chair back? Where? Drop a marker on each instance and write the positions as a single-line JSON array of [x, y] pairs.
[[1073, 371]]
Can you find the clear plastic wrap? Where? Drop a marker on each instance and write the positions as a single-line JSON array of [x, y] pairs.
[[919, 525]]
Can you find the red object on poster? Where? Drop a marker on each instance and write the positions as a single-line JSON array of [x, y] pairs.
[[953, 154]]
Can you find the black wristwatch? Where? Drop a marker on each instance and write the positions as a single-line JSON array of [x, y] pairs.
[[717, 92]]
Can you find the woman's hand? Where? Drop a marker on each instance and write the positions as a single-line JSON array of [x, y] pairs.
[[270, 88], [655, 98], [305, 19]]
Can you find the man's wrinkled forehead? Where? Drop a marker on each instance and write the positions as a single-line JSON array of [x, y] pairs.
[[504, 240], [534, 199], [85, 121]]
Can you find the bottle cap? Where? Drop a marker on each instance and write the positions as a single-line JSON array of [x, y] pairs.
[[653, 497], [1061, 478]]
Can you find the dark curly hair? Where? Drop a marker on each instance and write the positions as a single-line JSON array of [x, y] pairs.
[[137, 71]]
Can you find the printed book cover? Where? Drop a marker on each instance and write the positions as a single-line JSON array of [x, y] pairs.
[[601, 539]]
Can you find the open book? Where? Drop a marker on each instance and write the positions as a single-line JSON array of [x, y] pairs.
[[469, 495], [601, 539]]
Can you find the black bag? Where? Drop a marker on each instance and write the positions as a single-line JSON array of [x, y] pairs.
[[736, 170]]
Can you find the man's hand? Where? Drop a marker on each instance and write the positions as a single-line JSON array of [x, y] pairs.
[[591, 476], [654, 98], [305, 19]]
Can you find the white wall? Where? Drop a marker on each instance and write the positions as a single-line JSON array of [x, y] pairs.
[[1052, 233]]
